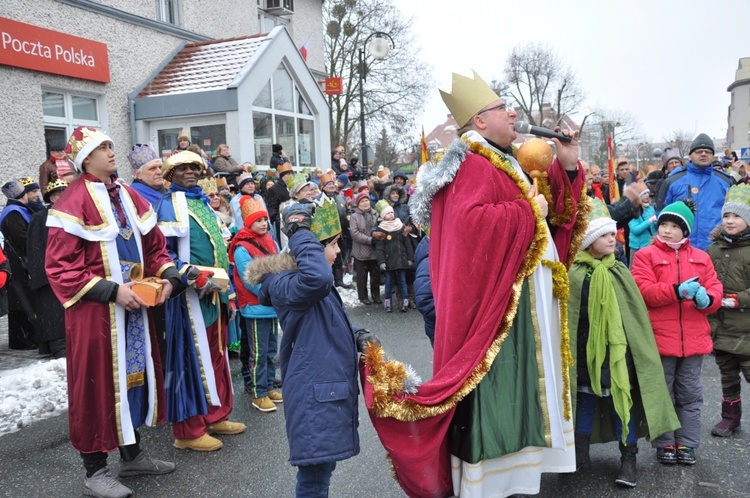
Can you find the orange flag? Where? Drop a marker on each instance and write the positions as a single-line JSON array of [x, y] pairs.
[[425, 155], [614, 193]]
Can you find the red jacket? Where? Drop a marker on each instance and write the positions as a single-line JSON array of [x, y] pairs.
[[680, 328]]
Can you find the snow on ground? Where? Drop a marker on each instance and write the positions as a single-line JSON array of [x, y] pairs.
[[32, 393], [40, 390]]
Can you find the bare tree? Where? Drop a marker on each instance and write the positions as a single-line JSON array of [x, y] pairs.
[[396, 88], [680, 140], [536, 76], [622, 126]]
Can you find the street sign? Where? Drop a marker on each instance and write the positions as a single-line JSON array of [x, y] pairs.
[[745, 153]]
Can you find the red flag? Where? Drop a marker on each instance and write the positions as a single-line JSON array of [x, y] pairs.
[[425, 154], [303, 47], [614, 192]]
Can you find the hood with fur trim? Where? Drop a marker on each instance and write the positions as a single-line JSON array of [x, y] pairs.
[[259, 268], [401, 195]]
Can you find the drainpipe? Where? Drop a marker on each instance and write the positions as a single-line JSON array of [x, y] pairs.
[[131, 109]]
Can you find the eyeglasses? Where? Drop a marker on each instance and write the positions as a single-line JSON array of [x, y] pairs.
[[184, 167], [501, 107], [704, 151], [212, 195]]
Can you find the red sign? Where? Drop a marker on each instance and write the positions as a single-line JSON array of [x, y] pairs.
[[31, 47], [334, 86]]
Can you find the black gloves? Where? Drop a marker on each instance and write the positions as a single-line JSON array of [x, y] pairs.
[[297, 217], [364, 337]]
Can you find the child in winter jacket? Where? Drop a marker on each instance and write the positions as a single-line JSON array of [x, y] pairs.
[[730, 327], [395, 253], [642, 227], [318, 353], [679, 284], [259, 336], [618, 377]]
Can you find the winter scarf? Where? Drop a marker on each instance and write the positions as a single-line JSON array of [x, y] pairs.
[[394, 225], [606, 330]]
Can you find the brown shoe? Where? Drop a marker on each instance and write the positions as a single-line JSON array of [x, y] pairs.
[[226, 428], [275, 396], [203, 443], [264, 404]]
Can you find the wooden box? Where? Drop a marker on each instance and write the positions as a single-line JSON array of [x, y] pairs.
[[149, 290], [220, 276]]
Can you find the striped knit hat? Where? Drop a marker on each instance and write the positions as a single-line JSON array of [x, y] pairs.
[[679, 213]]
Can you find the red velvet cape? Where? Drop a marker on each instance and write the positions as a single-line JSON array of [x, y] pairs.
[[481, 230]]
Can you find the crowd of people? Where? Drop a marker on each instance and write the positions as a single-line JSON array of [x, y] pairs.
[[581, 314]]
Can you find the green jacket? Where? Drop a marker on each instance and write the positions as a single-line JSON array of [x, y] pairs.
[[730, 328], [652, 405]]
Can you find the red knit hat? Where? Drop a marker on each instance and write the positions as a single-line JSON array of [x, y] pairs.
[[359, 197]]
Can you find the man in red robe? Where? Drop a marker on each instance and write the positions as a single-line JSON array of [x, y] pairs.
[[101, 233], [496, 413]]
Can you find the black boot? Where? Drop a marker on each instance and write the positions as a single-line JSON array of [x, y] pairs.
[[627, 474], [582, 450], [338, 278], [731, 412], [412, 298]]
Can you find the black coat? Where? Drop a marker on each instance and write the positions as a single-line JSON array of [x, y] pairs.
[[49, 312], [277, 195], [395, 251], [15, 229]]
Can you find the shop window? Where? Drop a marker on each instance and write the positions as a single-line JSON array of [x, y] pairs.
[[281, 115], [168, 11], [207, 137], [63, 111]]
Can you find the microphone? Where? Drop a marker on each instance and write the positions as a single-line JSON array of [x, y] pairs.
[[524, 127]]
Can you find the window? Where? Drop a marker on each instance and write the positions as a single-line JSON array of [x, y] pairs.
[[64, 111], [280, 5], [282, 116], [168, 11], [205, 136]]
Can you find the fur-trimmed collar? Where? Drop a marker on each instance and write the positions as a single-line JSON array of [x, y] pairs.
[[432, 178], [259, 268]]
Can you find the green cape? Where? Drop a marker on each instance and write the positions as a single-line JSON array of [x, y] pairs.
[[652, 404]]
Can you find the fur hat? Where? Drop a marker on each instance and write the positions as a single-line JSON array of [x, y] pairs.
[[359, 197], [13, 190], [679, 213], [670, 154], [738, 202], [82, 143], [141, 155], [702, 141], [600, 223]]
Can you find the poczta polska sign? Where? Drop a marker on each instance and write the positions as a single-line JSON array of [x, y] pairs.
[[39, 49]]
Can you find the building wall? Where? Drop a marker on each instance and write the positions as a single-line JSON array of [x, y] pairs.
[[739, 117], [134, 54]]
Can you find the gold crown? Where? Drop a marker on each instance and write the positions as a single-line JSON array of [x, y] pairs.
[[468, 97], [325, 223], [208, 185], [27, 181], [56, 184], [249, 205]]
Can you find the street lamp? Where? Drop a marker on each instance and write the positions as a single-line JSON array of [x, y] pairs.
[[379, 49], [654, 153]]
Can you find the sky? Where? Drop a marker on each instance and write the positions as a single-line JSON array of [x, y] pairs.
[[667, 62], [40, 390]]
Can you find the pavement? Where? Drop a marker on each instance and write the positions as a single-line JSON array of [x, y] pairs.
[[39, 460], [11, 358]]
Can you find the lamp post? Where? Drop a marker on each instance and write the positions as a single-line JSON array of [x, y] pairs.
[[379, 49], [654, 153]]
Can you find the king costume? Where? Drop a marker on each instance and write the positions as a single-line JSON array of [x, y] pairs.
[[198, 380], [97, 234], [497, 411]]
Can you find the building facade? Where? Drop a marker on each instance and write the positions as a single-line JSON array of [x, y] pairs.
[[738, 116], [65, 63]]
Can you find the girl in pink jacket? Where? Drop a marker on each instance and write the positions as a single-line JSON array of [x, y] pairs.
[[680, 287]]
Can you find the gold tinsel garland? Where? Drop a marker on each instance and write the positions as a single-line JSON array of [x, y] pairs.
[[554, 218], [561, 290], [386, 377], [580, 226]]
